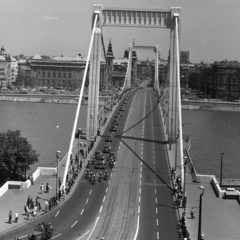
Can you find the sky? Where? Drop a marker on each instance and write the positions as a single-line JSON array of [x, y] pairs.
[[209, 28]]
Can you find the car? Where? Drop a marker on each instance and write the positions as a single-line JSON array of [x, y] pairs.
[[113, 128], [109, 138], [119, 114], [100, 165], [115, 122], [98, 155], [117, 117], [121, 109], [107, 149], [112, 156]]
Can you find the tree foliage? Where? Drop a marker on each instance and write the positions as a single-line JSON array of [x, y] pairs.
[[16, 156]]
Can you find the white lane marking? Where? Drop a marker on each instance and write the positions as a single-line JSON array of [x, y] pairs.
[[87, 201], [111, 174], [140, 182], [109, 181], [118, 152], [57, 213], [139, 199], [141, 163], [25, 236], [104, 198], [101, 208], [157, 222], [138, 209], [90, 191], [93, 228], [140, 175], [81, 212], [156, 200], [139, 190], [155, 191], [74, 223], [106, 189], [156, 211], [136, 234], [52, 237], [84, 234], [157, 235]]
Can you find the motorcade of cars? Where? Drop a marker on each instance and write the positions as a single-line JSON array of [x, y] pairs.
[[109, 138], [113, 128], [107, 149]]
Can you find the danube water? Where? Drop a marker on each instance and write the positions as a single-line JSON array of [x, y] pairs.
[[213, 133], [48, 128]]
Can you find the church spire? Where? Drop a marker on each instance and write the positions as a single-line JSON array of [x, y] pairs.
[[109, 51]]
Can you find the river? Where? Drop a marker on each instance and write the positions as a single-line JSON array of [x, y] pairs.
[[48, 128], [213, 133]]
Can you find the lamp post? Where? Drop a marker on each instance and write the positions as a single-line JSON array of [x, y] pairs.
[[57, 155], [200, 214], [221, 169]]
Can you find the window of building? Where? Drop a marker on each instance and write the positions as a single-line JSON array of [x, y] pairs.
[[69, 75], [43, 74], [59, 75], [64, 75], [54, 74], [48, 74]]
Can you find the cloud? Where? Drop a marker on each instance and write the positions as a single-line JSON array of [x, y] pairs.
[[49, 18]]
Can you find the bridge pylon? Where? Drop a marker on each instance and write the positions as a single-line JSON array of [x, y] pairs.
[[94, 78]]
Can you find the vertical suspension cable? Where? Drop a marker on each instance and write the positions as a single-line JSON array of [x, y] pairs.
[[179, 104], [79, 104]]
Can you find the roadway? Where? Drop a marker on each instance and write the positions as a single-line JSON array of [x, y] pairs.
[[136, 201]]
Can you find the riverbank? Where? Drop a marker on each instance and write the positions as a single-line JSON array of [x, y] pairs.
[[210, 105]]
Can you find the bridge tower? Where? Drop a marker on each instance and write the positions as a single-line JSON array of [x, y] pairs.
[[109, 66], [94, 77]]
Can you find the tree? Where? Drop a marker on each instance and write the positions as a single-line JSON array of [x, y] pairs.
[[16, 155]]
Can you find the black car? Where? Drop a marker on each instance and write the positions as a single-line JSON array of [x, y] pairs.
[[107, 149], [100, 165], [113, 128], [121, 109], [115, 122], [109, 138]]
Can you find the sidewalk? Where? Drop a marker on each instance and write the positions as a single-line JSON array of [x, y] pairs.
[[15, 200]]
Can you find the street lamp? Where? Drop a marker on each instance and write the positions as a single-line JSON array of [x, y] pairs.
[[200, 214], [221, 169], [57, 155]]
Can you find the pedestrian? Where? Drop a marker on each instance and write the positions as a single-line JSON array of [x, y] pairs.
[[10, 217], [73, 169], [28, 215], [32, 204], [67, 178], [35, 210], [31, 178], [41, 188], [48, 187], [28, 201], [76, 158], [39, 207], [36, 202], [71, 162], [16, 217], [202, 237], [46, 206]]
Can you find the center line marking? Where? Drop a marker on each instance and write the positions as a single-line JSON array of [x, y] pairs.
[[87, 201], [81, 212], [90, 191], [74, 223], [101, 209], [157, 222], [54, 236], [57, 213], [156, 200], [104, 198], [106, 189]]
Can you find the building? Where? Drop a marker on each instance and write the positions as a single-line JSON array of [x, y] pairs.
[[225, 80], [184, 57], [8, 69], [57, 72], [24, 76]]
